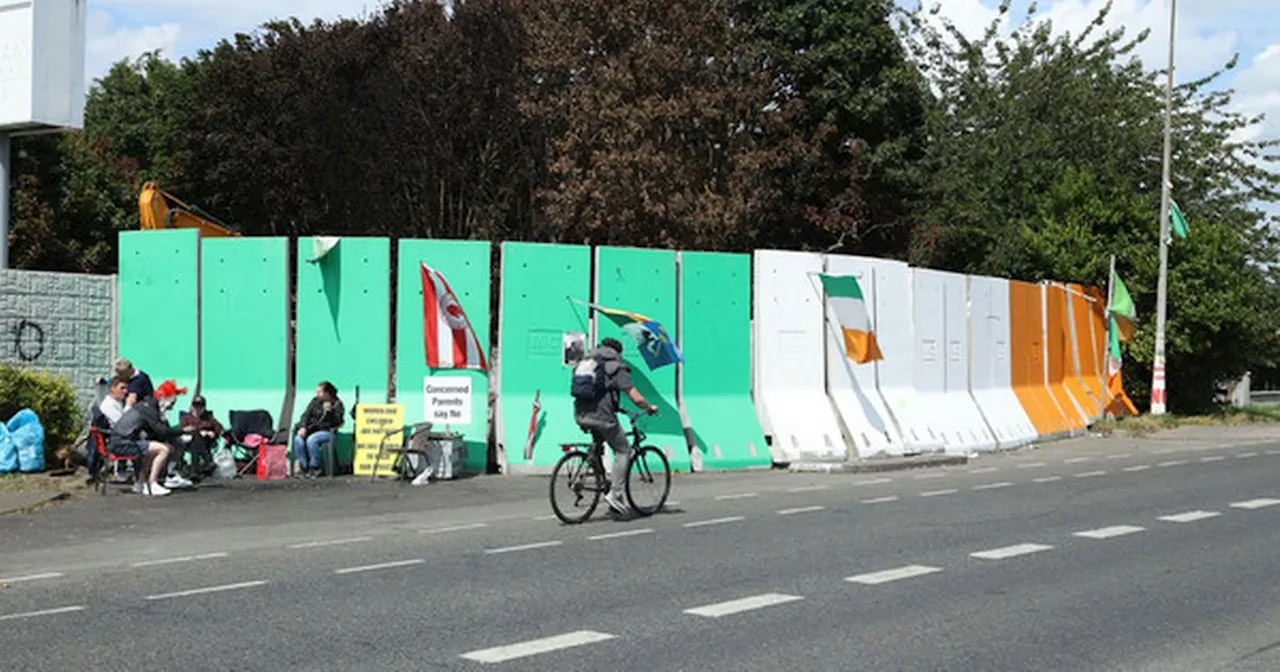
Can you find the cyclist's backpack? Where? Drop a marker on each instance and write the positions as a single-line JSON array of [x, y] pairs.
[[589, 381]]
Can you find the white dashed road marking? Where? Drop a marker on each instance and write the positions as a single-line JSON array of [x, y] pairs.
[[331, 542], [185, 558], [616, 535], [523, 547], [1031, 465], [210, 589], [32, 577], [984, 470], [1189, 517], [1255, 503], [881, 500], [801, 509], [876, 578], [874, 481], [1011, 551], [741, 495], [921, 477], [43, 612], [382, 565], [1046, 479], [992, 486], [1172, 463], [744, 604], [1212, 458], [1137, 467], [1108, 532], [713, 521], [456, 528], [1242, 456], [1090, 474], [1118, 456], [936, 493], [809, 488], [500, 654], [1076, 460]]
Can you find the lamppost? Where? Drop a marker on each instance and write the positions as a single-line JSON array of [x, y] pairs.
[[1157, 368]]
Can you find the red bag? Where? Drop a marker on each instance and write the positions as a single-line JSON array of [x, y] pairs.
[[273, 461]]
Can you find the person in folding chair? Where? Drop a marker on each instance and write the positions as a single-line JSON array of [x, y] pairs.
[[142, 431], [315, 431]]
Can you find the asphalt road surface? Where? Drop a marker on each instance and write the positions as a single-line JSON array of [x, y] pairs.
[[1089, 555]]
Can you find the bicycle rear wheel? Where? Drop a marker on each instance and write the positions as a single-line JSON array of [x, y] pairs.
[[575, 488], [648, 480]]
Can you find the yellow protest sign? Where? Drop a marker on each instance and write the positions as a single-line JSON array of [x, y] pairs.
[[373, 421]]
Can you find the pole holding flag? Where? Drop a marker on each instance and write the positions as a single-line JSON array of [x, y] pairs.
[[652, 340]]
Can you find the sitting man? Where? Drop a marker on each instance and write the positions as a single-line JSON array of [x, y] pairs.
[[140, 432], [139, 382], [200, 432], [322, 417], [105, 416]]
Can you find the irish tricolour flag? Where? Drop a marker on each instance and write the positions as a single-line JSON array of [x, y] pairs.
[[845, 296]]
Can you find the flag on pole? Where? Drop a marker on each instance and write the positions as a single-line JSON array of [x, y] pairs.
[[1117, 400], [654, 343], [1122, 309], [450, 341], [844, 294], [1179, 223], [321, 246]]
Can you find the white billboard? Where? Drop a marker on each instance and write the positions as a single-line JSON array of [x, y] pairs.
[[42, 52]]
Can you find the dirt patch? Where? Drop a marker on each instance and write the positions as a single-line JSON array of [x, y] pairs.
[[74, 485]]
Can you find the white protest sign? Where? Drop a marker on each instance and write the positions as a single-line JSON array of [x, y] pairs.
[[446, 400]]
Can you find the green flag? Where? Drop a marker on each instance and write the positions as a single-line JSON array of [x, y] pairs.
[[1178, 221], [1122, 308]]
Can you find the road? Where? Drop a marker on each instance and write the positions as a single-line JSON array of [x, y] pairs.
[[1087, 555]]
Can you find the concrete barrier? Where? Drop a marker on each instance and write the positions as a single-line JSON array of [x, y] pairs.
[[990, 365]]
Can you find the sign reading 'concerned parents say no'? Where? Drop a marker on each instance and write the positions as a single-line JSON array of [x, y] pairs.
[[446, 400]]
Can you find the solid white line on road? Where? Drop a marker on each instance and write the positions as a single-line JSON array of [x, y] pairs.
[[992, 486], [185, 558], [876, 578], [1076, 460], [1090, 474], [1137, 467], [615, 535], [1031, 465], [523, 547], [744, 604], [32, 577], [1172, 463], [874, 481], [713, 521], [921, 477], [881, 500], [1255, 503], [935, 493], [1212, 458], [984, 470], [500, 654], [549, 516], [809, 488], [452, 528], [1189, 517], [383, 565], [741, 495], [1118, 456], [42, 612], [1242, 456], [330, 542], [1010, 551], [210, 589], [1046, 479], [1108, 532], [801, 509]]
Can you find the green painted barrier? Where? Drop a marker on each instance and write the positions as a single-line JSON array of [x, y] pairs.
[[644, 281], [715, 338], [158, 321], [465, 265], [536, 313], [343, 332], [244, 325]]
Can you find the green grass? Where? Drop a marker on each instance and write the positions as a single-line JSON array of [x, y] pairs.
[[1145, 425]]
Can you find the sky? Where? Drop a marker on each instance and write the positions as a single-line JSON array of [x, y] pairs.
[[1209, 32]]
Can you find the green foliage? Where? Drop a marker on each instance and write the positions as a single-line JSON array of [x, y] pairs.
[[51, 397]]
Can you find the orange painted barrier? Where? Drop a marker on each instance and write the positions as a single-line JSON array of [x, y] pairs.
[[1027, 357], [1057, 345], [1090, 339], [1076, 336]]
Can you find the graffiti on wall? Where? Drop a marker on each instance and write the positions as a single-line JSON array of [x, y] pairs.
[[28, 341]]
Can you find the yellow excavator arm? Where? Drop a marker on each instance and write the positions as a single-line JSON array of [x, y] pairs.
[[154, 206]]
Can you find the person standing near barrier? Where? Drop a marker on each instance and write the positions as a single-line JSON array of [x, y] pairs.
[[138, 381], [323, 417], [599, 380]]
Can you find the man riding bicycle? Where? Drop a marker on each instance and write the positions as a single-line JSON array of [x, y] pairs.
[[599, 380]]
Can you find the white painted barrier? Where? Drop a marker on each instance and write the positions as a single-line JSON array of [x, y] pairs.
[[852, 386], [790, 395], [944, 358], [895, 374], [990, 368]]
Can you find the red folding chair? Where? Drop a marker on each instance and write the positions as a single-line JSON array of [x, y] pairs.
[[108, 460]]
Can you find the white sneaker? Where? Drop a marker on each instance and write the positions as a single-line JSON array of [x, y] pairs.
[[157, 490], [139, 488], [614, 500], [177, 481]]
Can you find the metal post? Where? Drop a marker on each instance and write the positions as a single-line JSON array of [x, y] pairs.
[[1157, 368], [5, 177]]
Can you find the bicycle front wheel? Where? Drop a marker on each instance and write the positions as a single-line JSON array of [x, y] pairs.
[[575, 488], [648, 481]]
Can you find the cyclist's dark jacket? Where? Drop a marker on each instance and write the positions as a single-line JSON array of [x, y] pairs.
[[617, 378]]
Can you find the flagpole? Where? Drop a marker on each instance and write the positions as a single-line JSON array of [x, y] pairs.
[[1106, 344], [1158, 393]]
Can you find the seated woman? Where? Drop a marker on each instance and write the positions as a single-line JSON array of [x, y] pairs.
[[201, 431], [324, 415]]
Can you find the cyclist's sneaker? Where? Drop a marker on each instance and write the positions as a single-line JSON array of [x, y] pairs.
[[177, 482], [614, 500]]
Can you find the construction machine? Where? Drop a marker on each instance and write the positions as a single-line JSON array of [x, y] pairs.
[[162, 210]]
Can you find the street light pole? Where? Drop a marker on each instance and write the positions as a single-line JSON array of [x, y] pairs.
[[1157, 368]]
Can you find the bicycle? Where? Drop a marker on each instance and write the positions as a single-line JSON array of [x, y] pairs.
[[583, 472]]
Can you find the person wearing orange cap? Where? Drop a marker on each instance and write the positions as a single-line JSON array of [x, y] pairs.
[[142, 431]]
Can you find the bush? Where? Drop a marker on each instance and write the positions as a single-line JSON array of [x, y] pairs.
[[51, 397]]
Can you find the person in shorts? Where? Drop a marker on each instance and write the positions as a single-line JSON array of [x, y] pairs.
[[141, 432]]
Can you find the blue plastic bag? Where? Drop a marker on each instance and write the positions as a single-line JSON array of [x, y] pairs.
[[27, 435], [8, 452]]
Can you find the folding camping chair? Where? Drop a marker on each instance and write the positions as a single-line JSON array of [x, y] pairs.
[[244, 423]]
